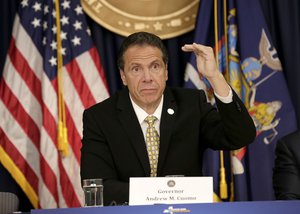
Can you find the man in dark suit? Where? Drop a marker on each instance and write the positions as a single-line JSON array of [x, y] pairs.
[[114, 131], [286, 173]]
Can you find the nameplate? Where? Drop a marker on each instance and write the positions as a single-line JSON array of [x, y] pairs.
[[170, 190]]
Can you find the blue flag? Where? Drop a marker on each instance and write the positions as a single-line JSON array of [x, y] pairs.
[[264, 92], [246, 56]]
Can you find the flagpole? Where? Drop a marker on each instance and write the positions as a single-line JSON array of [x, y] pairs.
[[226, 39], [222, 182], [216, 31], [227, 76], [62, 128]]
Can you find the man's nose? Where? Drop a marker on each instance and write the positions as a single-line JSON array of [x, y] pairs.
[[147, 75]]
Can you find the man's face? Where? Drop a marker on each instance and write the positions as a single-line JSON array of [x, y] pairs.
[[145, 74]]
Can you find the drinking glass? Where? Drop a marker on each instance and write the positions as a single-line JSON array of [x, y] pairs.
[[93, 192]]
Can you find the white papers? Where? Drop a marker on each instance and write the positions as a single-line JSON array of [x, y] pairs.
[[170, 190]]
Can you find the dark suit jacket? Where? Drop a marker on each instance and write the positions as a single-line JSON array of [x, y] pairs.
[[114, 147], [286, 174]]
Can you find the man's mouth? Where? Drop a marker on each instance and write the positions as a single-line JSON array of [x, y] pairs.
[[148, 90]]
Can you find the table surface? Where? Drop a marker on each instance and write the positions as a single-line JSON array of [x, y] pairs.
[[253, 207]]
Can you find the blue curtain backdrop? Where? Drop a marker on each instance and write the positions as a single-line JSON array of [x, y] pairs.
[[283, 20]]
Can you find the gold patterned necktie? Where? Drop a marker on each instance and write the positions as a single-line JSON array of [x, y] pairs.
[[152, 143]]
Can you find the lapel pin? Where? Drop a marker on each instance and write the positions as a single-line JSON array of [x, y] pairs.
[[170, 111]]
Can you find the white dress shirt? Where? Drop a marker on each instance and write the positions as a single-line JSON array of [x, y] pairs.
[[141, 114]]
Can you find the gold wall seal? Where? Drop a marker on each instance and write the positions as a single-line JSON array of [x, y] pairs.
[[165, 18]]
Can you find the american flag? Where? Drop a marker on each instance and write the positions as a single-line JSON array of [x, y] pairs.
[[29, 100]]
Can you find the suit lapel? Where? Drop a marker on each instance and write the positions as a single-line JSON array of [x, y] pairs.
[[133, 129], [168, 116]]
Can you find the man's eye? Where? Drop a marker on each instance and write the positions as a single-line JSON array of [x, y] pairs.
[[155, 67], [136, 69]]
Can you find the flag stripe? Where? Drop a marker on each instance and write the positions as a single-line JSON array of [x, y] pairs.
[[80, 84], [18, 175], [74, 136], [20, 115], [73, 106], [68, 190], [21, 163], [103, 84], [49, 152], [27, 48], [26, 73], [91, 69], [24, 101], [73, 171]]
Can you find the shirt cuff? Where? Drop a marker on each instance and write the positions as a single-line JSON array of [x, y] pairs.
[[227, 99]]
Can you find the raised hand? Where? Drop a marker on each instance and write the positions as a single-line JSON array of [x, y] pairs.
[[207, 66], [206, 62]]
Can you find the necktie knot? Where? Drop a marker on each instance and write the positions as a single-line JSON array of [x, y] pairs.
[[150, 120]]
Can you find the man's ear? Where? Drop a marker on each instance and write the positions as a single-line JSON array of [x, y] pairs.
[[123, 77]]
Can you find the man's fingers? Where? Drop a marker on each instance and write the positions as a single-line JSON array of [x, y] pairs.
[[198, 49]]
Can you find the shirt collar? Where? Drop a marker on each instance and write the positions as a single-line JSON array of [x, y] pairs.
[[141, 114]]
